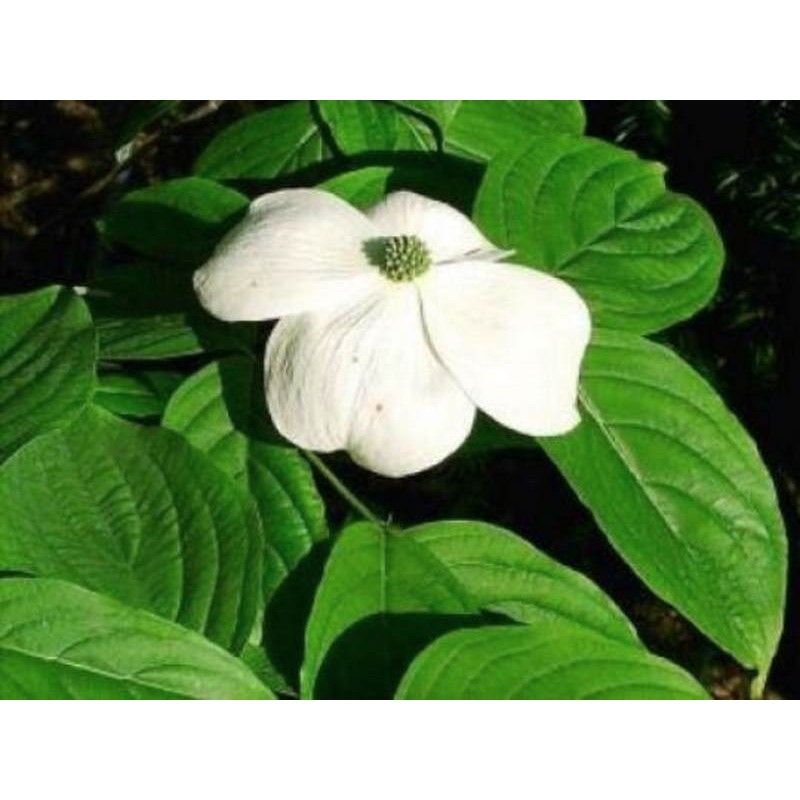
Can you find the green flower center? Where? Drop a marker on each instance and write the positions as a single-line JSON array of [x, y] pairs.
[[399, 258]]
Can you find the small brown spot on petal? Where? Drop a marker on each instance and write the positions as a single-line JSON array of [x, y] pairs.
[[379, 407]]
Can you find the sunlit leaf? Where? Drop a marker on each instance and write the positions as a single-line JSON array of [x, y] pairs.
[[600, 218], [508, 575], [383, 597], [59, 641], [140, 515], [679, 488], [551, 661]]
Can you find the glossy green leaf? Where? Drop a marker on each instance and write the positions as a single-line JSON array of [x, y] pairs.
[[47, 363], [221, 411], [361, 187], [256, 660], [483, 129], [136, 394], [265, 145], [678, 487], [360, 125], [507, 575], [140, 515], [383, 597], [600, 218], [178, 221], [555, 660], [59, 641], [149, 311]]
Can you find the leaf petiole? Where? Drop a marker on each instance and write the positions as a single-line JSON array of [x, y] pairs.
[[341, 489]]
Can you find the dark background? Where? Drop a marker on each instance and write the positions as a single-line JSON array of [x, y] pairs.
[[741, 160]]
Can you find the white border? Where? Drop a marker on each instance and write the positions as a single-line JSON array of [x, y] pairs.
[[388, 751], [354, 48]]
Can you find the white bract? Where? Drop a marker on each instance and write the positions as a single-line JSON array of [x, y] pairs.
[[396, 323]]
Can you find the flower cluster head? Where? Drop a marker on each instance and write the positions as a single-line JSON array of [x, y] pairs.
[[396, 323]]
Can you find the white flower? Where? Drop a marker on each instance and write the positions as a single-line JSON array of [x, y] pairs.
[[396, 324]]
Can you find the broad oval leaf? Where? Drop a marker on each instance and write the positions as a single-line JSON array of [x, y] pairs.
[[600, 218], [482, 129], [360, 125], [361, 187], [59, 641], [137, 321], [136, 394], [507, 575], [679, 488], [551, 661], [47, 363], [220, 410], [383, 597], [140, 515], [265, 145], [179, 220]]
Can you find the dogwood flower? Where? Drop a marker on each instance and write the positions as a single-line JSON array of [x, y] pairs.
[[396, 323]]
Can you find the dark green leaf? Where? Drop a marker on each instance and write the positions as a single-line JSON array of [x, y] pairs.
[[47, 363], [136, 394], [451, 180], [178, 221], [148, 311]]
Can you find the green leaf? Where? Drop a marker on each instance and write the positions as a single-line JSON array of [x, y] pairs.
[[361, 187], [678, 487], [221, 411], [600, 218], [360, 125], [136, 321], [178, 221], [482, 129], [551, 661], [47, 360], [507, 575], [451, 180], [136, 394], [383, 597], [256, 660], [265, 145], [140, 515], [59, 641]]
